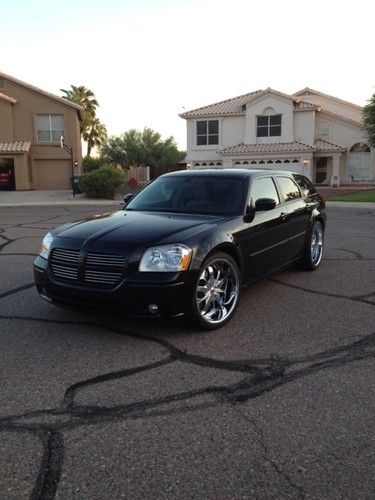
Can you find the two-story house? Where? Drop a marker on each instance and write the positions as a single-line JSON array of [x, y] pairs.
[[308, 132], [32, 123]]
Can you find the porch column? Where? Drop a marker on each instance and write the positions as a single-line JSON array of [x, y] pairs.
[[307, 164], [335, 179]]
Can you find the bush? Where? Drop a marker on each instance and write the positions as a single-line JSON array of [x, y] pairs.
[[90, 164], [102, 183]]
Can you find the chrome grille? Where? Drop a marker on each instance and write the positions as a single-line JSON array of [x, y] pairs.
[[64, 263], [65, 255], [104, 260], [99, 268], [102, 277], [68, 273]]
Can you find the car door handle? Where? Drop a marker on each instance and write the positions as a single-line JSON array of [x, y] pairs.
[[283, 215]]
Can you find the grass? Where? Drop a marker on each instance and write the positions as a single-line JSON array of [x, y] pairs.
[[358, 196]]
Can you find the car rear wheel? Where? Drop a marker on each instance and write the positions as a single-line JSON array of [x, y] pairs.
[[314, 248], [217, 291]]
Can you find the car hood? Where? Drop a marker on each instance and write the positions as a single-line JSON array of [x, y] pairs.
[[127, 228]]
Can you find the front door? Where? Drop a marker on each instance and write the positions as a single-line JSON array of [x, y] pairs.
[[7, 181], [321, 170], [265, 239]]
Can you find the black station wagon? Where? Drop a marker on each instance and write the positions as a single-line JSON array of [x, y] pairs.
[[186, 244]]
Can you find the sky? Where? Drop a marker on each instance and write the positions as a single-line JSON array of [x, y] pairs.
[[147, 60]]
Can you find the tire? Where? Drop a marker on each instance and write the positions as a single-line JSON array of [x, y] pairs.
[[216, 292], [313, 251]]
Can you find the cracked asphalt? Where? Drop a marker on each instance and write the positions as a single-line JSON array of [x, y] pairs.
[[278, 403]]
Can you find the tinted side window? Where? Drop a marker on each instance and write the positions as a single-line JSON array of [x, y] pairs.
[[264, 188], [306, 186], [289, 189]]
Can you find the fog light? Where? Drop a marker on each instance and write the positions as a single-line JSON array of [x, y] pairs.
[[153, 308]]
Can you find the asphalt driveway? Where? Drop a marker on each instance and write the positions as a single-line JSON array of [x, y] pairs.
[[280, 402]]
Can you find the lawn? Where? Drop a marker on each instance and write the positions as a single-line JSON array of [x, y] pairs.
[[358, 196]]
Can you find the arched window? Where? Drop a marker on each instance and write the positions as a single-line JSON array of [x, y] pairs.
[[295, 160], [211, 163], [237, 163], [261, 162], [218, 163], [286, 161], [270, 161], [204, 164], [278, 161], [196, 164], [360, 147], [254, 162], [245, 162], [268, 111]]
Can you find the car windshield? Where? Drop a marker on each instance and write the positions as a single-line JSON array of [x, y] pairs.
[[212, 195]]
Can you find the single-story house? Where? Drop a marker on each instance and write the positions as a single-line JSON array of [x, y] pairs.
[[32, 122], [309, 132]]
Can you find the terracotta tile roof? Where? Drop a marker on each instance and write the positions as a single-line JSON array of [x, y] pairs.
[[236, 105], [232, 106], [8, 98], [15, 147], [274, 147], [303, 106], [320, 145], [325, 146]]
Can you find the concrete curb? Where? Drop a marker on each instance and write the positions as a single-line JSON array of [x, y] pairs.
[[351, 204]]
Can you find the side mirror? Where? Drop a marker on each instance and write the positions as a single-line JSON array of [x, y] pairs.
[[263, 204], [127, 198]]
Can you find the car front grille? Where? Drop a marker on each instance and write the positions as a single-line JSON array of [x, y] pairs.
[[94, 269]]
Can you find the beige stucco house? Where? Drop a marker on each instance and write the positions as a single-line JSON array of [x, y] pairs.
[[309, 132], [32, 122]]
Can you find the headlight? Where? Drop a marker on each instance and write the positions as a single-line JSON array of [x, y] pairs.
[[167, 258], [46, 245]]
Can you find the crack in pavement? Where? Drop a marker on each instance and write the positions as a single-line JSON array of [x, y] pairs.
[[354, 298], [259, 376]]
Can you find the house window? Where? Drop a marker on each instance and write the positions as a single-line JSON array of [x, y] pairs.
[[207, 132], [50, 128], [269, 126]]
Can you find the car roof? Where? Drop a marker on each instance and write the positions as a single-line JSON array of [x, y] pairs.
[[235, 172]]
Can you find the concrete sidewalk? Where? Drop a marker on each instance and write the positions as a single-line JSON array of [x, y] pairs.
[[65, 198], [49, 198]]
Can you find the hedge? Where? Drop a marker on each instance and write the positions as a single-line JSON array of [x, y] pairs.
[[102, 183]]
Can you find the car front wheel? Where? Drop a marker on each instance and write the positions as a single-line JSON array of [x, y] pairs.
[[217, 291]]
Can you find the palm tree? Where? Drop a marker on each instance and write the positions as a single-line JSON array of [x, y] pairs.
[[95, 135], [85, 98]]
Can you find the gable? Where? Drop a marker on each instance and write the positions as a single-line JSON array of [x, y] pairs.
[[331, 104], [9, 83]]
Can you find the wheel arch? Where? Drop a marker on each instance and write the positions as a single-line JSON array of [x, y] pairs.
[[231, 250]]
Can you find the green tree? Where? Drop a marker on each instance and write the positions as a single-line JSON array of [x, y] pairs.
[[92, 131], [369, 120], [141, 148], [95, 135], [85, 98]]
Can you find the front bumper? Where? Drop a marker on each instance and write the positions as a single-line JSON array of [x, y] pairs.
[[172, 293]]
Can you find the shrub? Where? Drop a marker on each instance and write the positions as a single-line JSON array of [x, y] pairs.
[[102, 183], [90, 164]]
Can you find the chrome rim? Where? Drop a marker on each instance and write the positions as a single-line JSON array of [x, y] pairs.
[[217, 291], [317, 244]]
